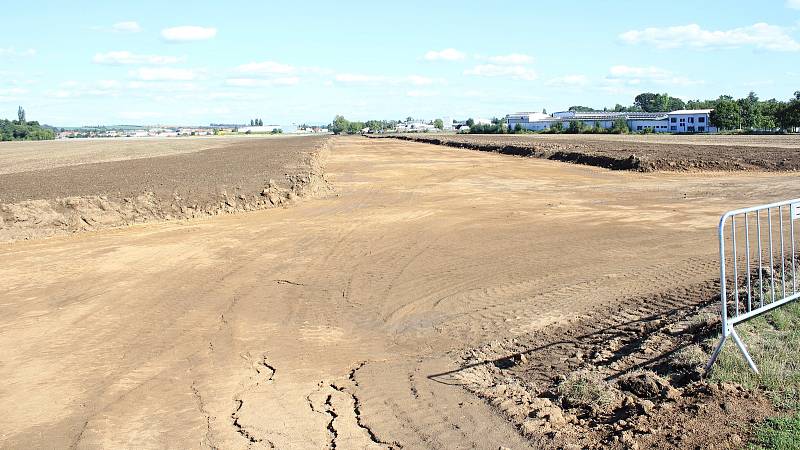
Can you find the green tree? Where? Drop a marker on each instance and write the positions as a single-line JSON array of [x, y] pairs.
[[21, 115], [470, 122], [726, 114], [439, 124], [748, 110], [339, 125], [556, 127], [544, 111], [789, 114], [580, 109], [576, 126], [620, 126], [518, 128]]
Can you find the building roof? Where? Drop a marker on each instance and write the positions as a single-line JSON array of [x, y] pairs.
[[692, 111]]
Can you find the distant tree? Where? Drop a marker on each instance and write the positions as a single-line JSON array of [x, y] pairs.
[[556, 127], [748, 109], [650, 102], [726, 114], [439, 124], [580, 109], [576, 126], [470, 122], [409, 119], [647, 101], [21, 115], [620, 126], [252, 122], [544, 111], [767, 117], [518, 128], [789, 114], [339, 125]]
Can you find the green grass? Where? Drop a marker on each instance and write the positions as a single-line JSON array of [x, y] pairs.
[[778, 433], [774, 344]]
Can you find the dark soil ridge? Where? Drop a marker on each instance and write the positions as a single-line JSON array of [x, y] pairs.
[[639, 156], [607, 162], [635, 351], [39, 218]]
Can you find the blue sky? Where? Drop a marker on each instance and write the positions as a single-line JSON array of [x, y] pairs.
[[147, 62]]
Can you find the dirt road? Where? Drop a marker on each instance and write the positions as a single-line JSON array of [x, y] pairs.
[[321, 324]]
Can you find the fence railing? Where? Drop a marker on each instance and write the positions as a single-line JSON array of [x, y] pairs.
[[757, 267]]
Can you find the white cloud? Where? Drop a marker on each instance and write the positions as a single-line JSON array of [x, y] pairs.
[[419, 80], [759, 35], [794, 4], [416, 80], [420, 93], [358, 78], [633, 75], [138, 115], [126, 27], [125, 57], [188, 33], [164, 74], [258, 82], [630, 71], [448, 54], [514, 58], [570, 81], [12, 92], [493, 70], [11, 52], [266, 67]]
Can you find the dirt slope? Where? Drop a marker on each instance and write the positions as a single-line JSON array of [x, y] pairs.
[[324, 324], [642, 153]]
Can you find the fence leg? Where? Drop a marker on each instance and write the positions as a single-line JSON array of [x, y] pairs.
[[744, 351], [716, 351]]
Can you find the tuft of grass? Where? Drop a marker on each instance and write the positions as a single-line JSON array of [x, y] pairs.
[[689, 357], [778, 433], [587, 390]]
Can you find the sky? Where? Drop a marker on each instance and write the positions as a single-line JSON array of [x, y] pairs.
[[193, 63]]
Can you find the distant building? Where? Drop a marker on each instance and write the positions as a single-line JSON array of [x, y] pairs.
[[684, 121], [259, 129], [415, 127], [691, 121]]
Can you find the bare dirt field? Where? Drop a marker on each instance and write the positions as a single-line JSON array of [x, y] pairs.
[[158, 179], [432, 303], [25, 156], [640, 152]]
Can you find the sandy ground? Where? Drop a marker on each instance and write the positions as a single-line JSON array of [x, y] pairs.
[[324, 324]]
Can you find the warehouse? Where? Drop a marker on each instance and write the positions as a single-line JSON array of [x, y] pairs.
[[683, 121]]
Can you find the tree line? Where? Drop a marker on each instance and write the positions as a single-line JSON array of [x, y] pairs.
[[748, 113], [24, 130]]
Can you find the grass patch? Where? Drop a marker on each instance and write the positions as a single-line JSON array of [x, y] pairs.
[[782, 433], [587, 390], [774, 344]]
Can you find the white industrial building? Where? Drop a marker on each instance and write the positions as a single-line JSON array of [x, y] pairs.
[[683, 121]]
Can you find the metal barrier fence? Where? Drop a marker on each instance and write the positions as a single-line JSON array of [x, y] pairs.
[[762, 263]]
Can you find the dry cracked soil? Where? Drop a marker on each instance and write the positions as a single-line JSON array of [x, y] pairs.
[[347, 321]]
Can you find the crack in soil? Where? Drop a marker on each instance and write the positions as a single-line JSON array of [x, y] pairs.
[[209, 436], [357, 406], [260, 368]]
